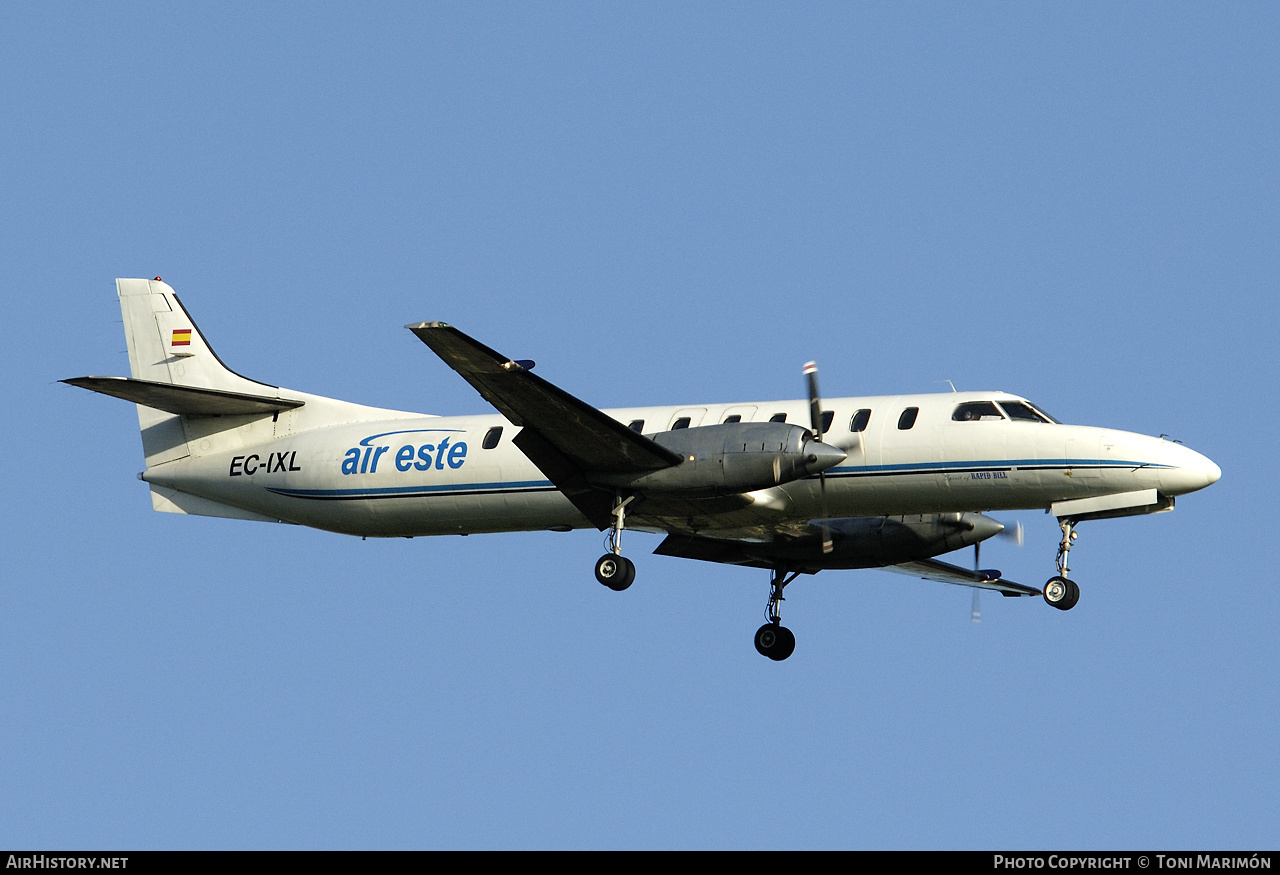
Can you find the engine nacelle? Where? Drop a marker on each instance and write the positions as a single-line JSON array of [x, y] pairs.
[[730, 459], [859, 542], [869, 542]]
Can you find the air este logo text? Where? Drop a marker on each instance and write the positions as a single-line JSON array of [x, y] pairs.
[[364, 459]]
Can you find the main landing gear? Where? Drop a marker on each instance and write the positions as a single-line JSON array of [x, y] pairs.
[[773, 639], [613, 569], [615, 572], [1060, 592]]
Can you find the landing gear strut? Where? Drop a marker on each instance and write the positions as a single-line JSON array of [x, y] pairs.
[[773, 639], [1059, 591], [613, 569]]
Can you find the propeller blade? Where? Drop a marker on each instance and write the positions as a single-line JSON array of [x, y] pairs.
[[815, 422], [976, 613], [1013, 534], [815, 401], [827, 545]]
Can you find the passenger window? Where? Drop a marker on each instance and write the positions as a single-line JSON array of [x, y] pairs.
[[778, 417], [682, 422], [860, 420], [491, 437], [636, 425], [977, 411], [828, 416], [734, 418], [1020, 411], [908, 418]]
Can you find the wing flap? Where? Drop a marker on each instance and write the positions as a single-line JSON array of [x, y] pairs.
[[183, 400]]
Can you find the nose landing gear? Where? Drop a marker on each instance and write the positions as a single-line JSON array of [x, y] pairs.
[[1059, 591], [773, 639]]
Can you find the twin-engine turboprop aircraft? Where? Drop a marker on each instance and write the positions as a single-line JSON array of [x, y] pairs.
[[795, 487]]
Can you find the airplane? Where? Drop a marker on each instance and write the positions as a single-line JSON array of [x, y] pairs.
[[794, 487]]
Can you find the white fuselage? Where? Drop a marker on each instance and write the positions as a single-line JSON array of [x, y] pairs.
[[397, 474]]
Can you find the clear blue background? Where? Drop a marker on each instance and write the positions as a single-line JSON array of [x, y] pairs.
[[661, 203]]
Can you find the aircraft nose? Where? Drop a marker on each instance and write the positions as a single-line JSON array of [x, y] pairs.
[[822, 456], [1212, 473], [1188, 470]]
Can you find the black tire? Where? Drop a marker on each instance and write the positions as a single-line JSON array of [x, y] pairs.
[[1073, 596], [775, 641], [1061, 593], [615, 572]]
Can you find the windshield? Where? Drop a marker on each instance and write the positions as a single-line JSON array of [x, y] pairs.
[[1023, 411]]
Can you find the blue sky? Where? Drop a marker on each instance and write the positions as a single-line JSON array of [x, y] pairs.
[[661, 203]]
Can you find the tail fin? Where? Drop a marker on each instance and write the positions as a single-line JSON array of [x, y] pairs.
[[189, 402], [166, 349], [165, 346]]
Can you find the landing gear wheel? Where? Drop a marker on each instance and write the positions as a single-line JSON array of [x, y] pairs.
[[1061, 593], [615, 572], [775, 641]]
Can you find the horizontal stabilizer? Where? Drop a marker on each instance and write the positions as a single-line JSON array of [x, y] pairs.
[[183, 400]]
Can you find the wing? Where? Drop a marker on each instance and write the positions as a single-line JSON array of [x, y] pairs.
[[569, 440], [932, 569]]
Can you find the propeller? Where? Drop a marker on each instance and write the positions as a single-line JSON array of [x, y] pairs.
[[976, 616], [815, 422], [1014, 534], [1009, 534]]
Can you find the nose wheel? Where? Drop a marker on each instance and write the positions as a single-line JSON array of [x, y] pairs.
[[1059, 591]]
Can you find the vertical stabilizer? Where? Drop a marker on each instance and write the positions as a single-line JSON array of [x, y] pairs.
[[165, 346]]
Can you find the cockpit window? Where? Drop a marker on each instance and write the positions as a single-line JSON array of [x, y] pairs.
[[1022, 412], [977, 411], [1047, 416]]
